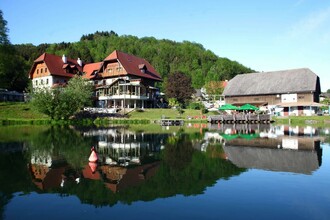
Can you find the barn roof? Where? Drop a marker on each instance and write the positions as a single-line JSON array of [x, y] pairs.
[[277, 82]]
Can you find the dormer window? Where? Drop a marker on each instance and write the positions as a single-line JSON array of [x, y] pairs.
[[142, 68]]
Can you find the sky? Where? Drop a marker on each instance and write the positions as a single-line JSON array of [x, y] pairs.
[[265, 35]]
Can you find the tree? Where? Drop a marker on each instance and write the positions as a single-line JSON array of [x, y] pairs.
[[3, 30], [214, 88], [166, 56], [12, 66], [63, 102], [178, 85]]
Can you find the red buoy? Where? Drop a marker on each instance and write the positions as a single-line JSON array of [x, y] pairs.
[[93, 166], [93, 157]]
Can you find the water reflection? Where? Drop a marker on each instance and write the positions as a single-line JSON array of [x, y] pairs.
[[146, 165], [277, 148], [119, 146], [197, 170], [132, 166]]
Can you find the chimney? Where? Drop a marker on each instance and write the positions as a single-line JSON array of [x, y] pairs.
[[64, 59], [79, 61]]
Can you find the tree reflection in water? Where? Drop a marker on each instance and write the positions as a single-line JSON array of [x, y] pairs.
[[169, 164]]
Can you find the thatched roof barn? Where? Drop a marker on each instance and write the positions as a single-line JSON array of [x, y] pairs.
[[278, 82], [299, 88]]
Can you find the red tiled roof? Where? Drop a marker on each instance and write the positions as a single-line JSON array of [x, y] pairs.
[[55, 65], [90, 68], [132, 65]]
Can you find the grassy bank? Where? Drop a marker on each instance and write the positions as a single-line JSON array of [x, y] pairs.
[[19, 110], [304, 120], [157, 114], [24, 113]]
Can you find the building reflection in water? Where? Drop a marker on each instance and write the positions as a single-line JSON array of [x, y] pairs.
[[126, 159], [275, 148], [46, 170], [129, 158]]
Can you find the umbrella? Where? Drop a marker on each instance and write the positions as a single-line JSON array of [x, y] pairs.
[[248, 107], [228, 107]]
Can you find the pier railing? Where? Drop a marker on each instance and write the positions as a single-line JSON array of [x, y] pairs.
[[240, 118]]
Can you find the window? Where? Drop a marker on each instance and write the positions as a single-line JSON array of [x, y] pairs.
[[36, 82], [46, 70], [37, 71], [46, 81], [42, 81], [119, 68], [41, 70], [109, 70]]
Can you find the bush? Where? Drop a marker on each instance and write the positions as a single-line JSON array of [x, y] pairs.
[[205, 111], [195, 105], [62, 103]]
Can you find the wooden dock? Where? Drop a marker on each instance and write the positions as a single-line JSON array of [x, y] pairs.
[[240, 119], [171, 122]]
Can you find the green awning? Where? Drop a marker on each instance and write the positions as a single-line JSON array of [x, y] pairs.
[[228, 107], [248, 107]]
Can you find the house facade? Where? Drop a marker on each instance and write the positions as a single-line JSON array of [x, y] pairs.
[[49, 70], [126, 81], [287, 92], [121, 80]]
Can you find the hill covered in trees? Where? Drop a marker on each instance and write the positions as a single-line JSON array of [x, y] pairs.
[[165, 55]]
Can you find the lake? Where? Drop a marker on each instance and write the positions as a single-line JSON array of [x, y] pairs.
[[197, 171]]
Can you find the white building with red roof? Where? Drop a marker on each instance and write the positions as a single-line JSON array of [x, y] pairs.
[[126, 81], [50, 70], [121, 80]]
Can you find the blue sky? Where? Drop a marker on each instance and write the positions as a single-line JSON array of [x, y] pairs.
[[265, 35]]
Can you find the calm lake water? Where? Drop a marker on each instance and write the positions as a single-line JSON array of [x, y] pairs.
[[197, 171]]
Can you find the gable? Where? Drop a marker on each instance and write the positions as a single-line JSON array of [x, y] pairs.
[[131, 65], [56, 66]]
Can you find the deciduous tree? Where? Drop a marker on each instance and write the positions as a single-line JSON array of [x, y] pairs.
[[63, 102], [178, 85]]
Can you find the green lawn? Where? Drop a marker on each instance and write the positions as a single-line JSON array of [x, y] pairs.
[[304, 120], [18, 111], [156, 114], [23, 112]]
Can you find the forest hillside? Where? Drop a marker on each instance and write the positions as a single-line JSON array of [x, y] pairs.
[[165, 55]]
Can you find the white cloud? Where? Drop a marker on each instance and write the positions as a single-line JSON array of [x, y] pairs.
[[317, 22]]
